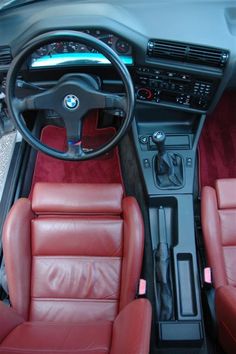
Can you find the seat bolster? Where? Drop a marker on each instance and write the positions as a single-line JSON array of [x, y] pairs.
[[212, 236], [9, 319], [17, 254], [132, 250], [131, 329], [226, 316], [226, 193]]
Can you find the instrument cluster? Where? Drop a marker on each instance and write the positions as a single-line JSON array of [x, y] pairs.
[[81, 52]]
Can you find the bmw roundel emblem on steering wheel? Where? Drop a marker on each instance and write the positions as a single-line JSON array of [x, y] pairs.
[[71, 102]]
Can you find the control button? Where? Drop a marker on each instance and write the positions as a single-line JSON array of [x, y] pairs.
[[189, 161], [153, 83], [146, 163], [143, 139], [143, 81], [144, 94]]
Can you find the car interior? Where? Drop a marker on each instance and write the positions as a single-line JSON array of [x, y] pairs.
[[118, 176]]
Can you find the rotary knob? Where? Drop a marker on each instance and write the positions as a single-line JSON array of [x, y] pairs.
[[144, 94]]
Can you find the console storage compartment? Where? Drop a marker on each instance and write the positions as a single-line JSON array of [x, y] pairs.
[[185, 324]]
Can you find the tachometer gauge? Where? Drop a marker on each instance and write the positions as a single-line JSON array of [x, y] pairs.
[[122, 46]]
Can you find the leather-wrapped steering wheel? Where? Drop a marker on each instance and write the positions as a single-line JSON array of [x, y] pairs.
[[72, 97]]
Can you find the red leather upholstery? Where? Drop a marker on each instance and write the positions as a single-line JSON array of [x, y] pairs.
[[54, 337], [16, 242], [226, 315], [126, 337], [86, 198], [9, 320], [219, 230], [73, 263]]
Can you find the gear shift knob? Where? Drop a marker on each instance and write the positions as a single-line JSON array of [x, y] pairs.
[[159, 138]]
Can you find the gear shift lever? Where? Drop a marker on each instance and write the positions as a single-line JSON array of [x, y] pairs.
[[168, 166], [159, 138], [162, 162]]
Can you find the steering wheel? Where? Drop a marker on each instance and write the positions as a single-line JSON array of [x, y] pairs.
[[72, 97]]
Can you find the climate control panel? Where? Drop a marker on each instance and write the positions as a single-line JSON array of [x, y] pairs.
[[179, 88]]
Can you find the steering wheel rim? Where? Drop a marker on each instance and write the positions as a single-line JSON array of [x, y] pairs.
[[15, 105]]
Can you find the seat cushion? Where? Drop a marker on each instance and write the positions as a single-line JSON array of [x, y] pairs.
[[226, 316], [51, 337]]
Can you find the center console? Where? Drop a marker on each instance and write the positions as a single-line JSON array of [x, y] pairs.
[[178, 312], [163, 134]]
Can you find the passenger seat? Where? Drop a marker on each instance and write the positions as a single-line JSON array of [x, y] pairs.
[[218, 211]]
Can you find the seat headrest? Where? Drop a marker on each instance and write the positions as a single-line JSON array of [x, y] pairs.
[[226, 193], [71, 198]]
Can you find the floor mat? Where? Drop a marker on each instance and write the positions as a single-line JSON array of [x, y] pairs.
[[104, 169], [217, 145]]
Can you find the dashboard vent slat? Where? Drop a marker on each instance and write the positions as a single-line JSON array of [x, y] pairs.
[[188, 53], [5, 55]]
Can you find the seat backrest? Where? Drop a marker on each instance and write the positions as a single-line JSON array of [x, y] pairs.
[[74, 253], [219, 230]]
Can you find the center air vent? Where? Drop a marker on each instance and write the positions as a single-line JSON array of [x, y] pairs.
[[5, 55], [187, 53]]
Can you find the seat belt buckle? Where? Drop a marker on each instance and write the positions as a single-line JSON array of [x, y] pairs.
[[142, 287], [207, 277]]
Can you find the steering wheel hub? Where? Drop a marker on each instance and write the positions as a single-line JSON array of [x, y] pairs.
[[71, 102]]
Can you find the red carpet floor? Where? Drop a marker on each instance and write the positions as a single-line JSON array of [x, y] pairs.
[[217, 145], [104, 169]]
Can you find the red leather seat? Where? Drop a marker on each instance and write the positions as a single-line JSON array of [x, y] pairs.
[[219, 230], [73, 260]]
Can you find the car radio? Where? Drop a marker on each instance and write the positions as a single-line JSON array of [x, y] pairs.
[[167, 86]]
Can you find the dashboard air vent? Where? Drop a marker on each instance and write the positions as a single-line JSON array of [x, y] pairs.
[[5, 55], [187, 53]]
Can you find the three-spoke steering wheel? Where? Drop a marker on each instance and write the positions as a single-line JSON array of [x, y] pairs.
[[72, 97]]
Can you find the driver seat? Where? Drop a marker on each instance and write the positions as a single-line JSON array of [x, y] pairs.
[[73, 259]]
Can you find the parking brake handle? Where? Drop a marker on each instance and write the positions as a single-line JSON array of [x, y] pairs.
[[162, 271]]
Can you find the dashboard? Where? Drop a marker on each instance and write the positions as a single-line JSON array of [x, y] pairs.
[[74, 53], [132, 28]]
